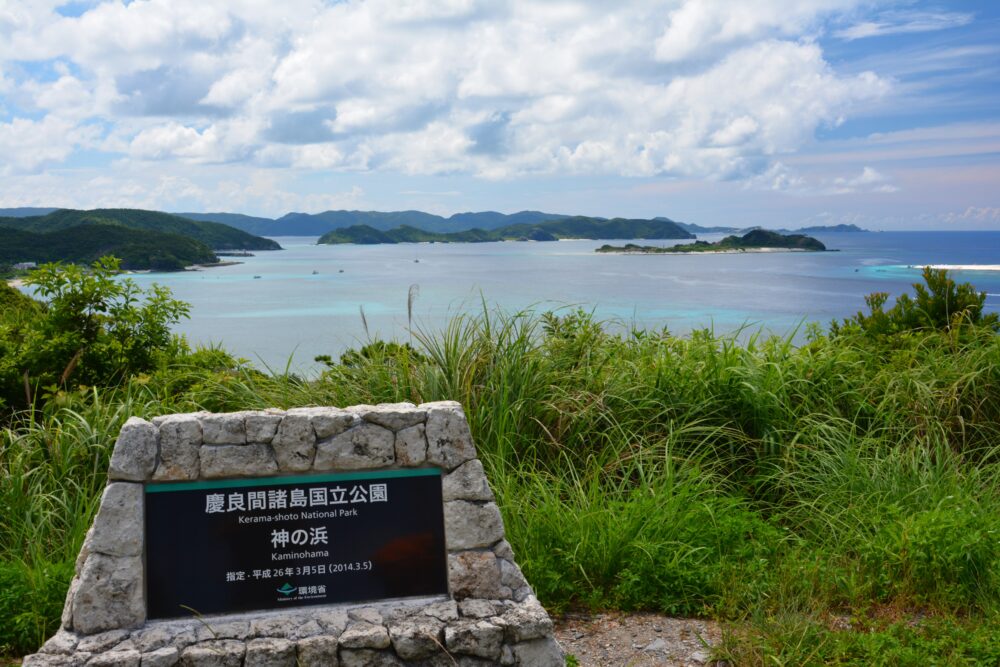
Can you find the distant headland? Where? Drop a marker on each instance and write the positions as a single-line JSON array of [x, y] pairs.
[[142, 240], [757, 240], [317, 224], [815, 229], [157, 241], [578, 227]]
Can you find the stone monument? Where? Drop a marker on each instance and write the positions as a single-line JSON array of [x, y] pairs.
[[313, 536]]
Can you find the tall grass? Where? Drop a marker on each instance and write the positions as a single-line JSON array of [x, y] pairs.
[[774, 484]]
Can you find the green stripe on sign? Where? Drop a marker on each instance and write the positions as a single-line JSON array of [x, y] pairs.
[[167, 487]]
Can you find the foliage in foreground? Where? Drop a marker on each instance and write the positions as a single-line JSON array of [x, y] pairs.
[[792, 639], [93, 329], [780, 486]]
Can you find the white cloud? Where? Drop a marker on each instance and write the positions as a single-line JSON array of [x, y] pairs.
[[172, 139], [698, 27], [66, 94], [225, 141], [782, 178], [975, 214], [175, 188], [27, 145], [869, 180], [430, 193], [249, 64], [693, 88], [892, 23], [969, 141]]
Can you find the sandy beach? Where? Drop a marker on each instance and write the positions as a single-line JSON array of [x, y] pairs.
[[199, 267], [16, 283]]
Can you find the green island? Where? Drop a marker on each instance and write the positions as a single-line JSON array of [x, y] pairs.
[[757, 240], [830, 502], [835, 229], [143, 240], [578, 227]]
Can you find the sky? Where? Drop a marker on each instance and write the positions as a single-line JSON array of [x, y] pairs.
[[781, 113]]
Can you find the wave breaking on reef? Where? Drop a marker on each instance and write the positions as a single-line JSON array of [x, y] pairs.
[[966, 267]]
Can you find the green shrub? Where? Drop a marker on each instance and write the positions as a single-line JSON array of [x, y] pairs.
[[947, 556], [798, 640], [31, 602], [941, 305], [94, 329]]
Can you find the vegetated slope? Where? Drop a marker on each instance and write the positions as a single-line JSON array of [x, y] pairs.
[[316, 224], [763, 238], [360, 234], [582, 227], [384, 221], [320, 223], [836, 229], [699, 229], [493, 219], [137, 248], [13, 300], [247, 223], [368, 235], [756, 239], [815, 229], [214, 235], [575, 227]]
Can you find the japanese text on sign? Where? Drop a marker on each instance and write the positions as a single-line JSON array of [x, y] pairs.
[[279, 499]]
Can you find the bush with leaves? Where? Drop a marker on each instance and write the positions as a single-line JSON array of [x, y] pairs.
[[94, 328], [941, 304], [376, 352]]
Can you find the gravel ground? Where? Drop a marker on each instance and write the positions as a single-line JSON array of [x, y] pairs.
[[622, 640], [636, 640]]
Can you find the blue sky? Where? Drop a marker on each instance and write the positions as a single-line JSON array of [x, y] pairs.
[[771, 112]]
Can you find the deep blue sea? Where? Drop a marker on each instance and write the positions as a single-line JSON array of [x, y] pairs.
[[307, 299]]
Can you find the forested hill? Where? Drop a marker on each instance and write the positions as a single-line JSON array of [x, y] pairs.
[[755, 239], [575, 227], [815, 229], [316, 224], [137, 248], [764, 238], [247, 223], [580, 227], [212, 234], [835, 229]]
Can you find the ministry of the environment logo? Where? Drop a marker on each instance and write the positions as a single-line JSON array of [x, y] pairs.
[[287, 589]]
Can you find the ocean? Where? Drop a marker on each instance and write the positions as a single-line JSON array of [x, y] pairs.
[[285, 307]]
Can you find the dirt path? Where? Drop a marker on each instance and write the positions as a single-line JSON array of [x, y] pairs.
[[636, 640]]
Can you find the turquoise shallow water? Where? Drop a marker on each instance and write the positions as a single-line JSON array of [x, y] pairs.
[[291, 312]]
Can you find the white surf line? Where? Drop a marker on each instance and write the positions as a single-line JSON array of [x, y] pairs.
[[967, 267]]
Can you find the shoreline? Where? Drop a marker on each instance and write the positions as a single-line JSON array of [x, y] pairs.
[[199, 267], [18, 283]]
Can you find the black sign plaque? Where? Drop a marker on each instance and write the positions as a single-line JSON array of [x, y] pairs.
[[239, 545]]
